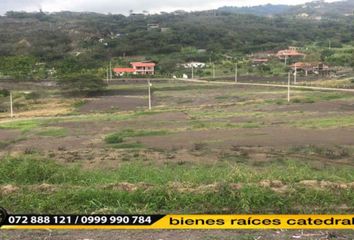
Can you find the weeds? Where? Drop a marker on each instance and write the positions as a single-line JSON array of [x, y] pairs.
[[78, 190], [23, 125], [120, 136], [53, 132]]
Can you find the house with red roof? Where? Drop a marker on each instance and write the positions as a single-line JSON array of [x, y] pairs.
[[144, 68], [122, 71], [138, 68]]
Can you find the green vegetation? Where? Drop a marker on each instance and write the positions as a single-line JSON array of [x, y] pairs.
[[120, 136], [53, 132], [4, 93], [200, 169], [329, 122], [47, 50], [23, 125], [77, 83], [159, 189]]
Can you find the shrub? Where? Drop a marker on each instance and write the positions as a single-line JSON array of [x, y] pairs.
[[4, 93], [114, 138]]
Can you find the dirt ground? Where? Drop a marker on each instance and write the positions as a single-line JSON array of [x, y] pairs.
[[272, 134], [113, 103], [324, 107], [176, 235], [6, 135], [280, 137], [84, 139]]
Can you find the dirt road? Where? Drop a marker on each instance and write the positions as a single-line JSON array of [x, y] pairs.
[[175, 235]]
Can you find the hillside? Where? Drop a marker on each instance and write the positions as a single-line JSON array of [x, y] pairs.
[[321, 9], [262, 10], [41, 45], [52, 36], [311, 10]]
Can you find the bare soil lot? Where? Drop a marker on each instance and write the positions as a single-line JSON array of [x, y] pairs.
[[261, 137], [193, 115], [196, 137], [324, 107], [113, 103], [6, 135]]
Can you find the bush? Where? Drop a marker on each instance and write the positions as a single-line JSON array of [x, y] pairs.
[[4, 93], [114, 138]]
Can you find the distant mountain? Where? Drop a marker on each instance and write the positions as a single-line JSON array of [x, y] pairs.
[[317, 9], [321, 9], [262, 10]]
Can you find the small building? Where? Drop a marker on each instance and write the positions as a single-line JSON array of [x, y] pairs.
[[122, 71], [144, 68], [165, 29], [259, 61], [153, 26], [263, 54], [194, 65], [288, 53], [317, 68], [294, 48], [138, 68]]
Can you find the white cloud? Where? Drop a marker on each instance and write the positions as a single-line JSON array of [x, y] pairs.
[[123, 6]]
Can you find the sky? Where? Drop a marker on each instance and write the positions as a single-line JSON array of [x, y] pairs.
[[124, 6]]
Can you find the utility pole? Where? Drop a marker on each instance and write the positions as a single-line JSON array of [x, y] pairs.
[[295, 75], [11, 106], [107, 73], [286, 60], [110, 70], [236, 73], [149, 85], [213, 70], [289, 77]]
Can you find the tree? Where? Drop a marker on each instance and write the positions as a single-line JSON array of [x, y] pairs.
[[18, 67], [76, 83], [326, 53]]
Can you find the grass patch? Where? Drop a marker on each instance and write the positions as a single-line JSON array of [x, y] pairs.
[[79, 103], [196, 124], [120, 136], [4, 144], [30, 170], [53, 132], [114, 138], [22, 125], [83, 190], [303, 100], [251, 125], [331, 122], [128, 145]]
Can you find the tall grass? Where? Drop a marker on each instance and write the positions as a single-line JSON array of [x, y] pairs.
[[28, 169], [119, 137], [83, 191]]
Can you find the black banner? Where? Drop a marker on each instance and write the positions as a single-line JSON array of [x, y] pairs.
[[86, 220]]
